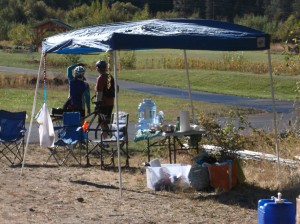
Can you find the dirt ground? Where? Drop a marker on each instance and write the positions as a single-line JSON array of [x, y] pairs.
[[74, 194]]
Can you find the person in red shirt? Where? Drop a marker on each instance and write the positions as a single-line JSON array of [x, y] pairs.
[[105, 90]]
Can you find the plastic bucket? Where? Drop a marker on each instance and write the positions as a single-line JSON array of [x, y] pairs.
[[270, 212]]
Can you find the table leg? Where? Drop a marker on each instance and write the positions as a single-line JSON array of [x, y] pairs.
[[148, 149], [170, 149], [174, 147]]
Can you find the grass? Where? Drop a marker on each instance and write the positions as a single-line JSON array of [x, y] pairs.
[[16, 99], [235, 83], [227, 82]]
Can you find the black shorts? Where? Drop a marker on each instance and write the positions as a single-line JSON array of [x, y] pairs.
[[107, 111]]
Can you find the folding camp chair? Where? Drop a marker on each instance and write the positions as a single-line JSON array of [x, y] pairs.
[[12, 135], [71, 137], [106, 148]]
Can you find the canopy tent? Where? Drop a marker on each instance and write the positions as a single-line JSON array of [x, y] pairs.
[[186, 34], [152, 34]]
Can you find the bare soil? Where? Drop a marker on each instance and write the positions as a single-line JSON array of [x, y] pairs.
[[76, 194]]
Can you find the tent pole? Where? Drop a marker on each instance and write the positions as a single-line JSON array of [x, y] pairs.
[[117, 113], [273, 106], [188, 83], [33, 110]]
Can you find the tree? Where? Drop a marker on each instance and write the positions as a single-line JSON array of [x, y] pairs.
[[121, 11], [105, 13], [21, 34], [184, 8], [296, 8], [13, 12], [4, 28], [77, 17], [142, 15], [36, 10]]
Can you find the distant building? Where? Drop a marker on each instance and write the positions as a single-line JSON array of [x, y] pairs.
[[51, 25]]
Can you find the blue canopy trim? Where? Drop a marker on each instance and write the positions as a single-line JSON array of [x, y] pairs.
[[189, 34]]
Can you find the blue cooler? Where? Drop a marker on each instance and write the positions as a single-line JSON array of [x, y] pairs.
[[276, 211]]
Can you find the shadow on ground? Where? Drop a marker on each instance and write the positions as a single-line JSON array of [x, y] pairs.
[[246, 196]]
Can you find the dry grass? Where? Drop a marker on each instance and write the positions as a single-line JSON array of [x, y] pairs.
[[73, 194], [16, 80]]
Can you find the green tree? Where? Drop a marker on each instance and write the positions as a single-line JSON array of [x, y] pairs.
[[78, 16], [21, 34], [121, 11], [296, 8], [166, 15], [4, 28], [143, 15], [279, 9], [13, 12], [105, 13], [36, 10], [184, 8], [259, 23]]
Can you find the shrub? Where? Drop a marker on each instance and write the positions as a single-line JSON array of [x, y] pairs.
[[228, 137], [128, 60]]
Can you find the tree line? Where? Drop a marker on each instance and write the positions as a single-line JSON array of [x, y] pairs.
[[277, 17]]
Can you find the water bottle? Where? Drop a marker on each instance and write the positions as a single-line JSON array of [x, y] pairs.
[[159, 118], [146, 113]]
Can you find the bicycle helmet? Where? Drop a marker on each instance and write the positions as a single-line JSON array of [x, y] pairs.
[[79, 71], [101, 64]]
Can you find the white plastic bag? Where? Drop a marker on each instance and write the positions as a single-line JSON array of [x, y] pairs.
[[46, 130]]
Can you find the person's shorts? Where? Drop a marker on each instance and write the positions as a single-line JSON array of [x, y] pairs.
[[107, 111]]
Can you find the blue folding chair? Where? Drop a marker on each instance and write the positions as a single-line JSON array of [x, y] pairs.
[[12, 135], [71, 137]]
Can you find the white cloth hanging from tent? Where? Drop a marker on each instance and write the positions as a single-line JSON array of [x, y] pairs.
[[46, 130]]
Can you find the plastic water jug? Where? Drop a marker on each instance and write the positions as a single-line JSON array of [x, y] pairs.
[[146, 113], [276, 211]]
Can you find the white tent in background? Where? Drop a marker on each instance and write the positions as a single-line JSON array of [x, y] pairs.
[[185, 34]]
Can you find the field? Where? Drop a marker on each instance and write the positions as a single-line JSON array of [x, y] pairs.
[[73, 194], [239, 73]]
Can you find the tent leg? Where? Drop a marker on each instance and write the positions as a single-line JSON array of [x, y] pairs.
[[273, 106], [189, 85], [117, 113], [32, 112]]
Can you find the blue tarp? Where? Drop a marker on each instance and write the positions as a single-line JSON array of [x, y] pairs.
[[188, 34]]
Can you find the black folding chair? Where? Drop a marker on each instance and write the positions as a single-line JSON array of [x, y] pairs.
[[105, 146], [12, 135]]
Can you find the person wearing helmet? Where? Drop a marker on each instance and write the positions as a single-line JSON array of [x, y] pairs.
[[105, 90], [79, 90]]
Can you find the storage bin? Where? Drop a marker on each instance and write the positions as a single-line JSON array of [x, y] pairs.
[[223, 176], [159, 178]]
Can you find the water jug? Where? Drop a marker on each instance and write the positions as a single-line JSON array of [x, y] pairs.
[[146, 113], [276, 211]]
